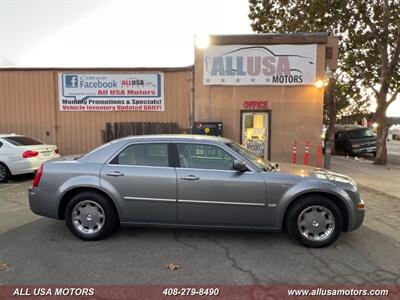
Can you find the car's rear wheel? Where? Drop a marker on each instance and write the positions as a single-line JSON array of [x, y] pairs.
[[90, 216], [314, 221], [4, 173]]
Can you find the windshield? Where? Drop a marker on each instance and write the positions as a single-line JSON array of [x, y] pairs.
[[256, 160], [360, 133]]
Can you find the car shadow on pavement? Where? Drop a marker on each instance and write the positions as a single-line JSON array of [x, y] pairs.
[[45, 252], [21, 178]]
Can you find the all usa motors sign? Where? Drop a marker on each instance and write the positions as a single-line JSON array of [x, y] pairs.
[[260, 65], [111, 92]]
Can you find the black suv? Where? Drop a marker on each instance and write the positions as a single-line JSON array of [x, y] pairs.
[[354, 140]]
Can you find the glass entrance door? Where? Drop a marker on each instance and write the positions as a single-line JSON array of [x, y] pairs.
[[255, 132]]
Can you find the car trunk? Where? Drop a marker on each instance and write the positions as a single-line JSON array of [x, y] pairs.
[[45, 151]]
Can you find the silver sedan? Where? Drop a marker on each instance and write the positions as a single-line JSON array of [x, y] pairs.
[[196, 182]]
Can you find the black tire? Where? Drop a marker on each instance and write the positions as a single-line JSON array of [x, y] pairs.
[[7, 174], [302, 204], [111, 221]]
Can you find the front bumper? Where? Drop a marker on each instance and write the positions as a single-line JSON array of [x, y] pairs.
[[358, 217], [363, 150]]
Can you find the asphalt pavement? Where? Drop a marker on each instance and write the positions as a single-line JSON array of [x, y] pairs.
[[42, 251]]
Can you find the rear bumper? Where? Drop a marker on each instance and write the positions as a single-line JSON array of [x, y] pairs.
[[43, 202], [29, 165]]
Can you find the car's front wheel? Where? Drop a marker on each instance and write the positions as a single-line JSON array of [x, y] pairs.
[[4, 173], [90, 216], [314, 221]]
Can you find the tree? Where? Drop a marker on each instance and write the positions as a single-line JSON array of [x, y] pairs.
[[349, 103], [342, 99], [369, 42]]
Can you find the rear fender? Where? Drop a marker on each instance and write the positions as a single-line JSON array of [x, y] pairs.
[[81, 183]]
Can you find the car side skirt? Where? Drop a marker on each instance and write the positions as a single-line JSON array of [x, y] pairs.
[[198, 226]]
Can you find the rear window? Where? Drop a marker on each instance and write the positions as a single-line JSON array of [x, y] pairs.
[[360, 133], [22, 141]]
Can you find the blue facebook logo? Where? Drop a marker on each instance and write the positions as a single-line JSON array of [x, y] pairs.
[[71, 81]]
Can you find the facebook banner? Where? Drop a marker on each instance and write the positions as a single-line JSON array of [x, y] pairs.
[[111, 92]]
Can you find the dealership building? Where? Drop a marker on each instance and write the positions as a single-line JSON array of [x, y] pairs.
[[260, 88]]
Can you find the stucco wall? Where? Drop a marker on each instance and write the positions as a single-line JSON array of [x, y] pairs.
[[296, 111]]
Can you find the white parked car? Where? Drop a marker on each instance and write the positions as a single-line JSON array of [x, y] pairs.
[[21, 154], [394, 132]]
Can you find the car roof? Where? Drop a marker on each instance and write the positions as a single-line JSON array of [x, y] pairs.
[[3, 135], [176, 137], [99, 154]]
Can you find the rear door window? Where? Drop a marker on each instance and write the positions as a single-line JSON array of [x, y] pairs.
[[22, 141], [155, 155]]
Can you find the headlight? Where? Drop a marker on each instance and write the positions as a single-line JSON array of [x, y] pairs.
[[356, 146]]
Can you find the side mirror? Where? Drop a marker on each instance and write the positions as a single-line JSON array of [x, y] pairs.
[[239, 165]]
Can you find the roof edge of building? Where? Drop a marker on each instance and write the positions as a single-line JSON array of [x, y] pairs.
[[136, 69], [271, 38]]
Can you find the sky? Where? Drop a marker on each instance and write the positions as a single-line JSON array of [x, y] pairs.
[[115, 33]]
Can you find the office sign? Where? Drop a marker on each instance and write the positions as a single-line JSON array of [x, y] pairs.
[[260, 65], [255, 104], [111, 92]]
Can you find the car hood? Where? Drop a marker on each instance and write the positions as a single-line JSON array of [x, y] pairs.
[[312, 172]]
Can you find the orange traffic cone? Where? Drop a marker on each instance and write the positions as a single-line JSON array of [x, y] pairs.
[[306, 153], [294, 153]]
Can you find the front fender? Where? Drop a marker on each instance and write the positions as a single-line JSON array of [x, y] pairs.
[[276, 213]]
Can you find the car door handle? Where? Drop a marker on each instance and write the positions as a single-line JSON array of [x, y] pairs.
[[190, 177], [115, 174]]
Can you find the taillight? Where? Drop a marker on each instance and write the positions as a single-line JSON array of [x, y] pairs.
[[38, 176], [56, 151], [30, 153]]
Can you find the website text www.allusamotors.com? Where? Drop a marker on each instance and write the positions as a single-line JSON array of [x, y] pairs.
[[337, 292]]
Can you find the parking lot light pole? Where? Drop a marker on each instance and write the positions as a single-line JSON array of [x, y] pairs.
[[327, 155], [329, 80]]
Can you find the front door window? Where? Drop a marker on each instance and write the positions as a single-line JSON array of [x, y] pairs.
[[202, 156]]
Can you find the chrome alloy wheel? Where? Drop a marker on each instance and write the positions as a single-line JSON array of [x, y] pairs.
[[88, 217], [3, 172], [316, 223]]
